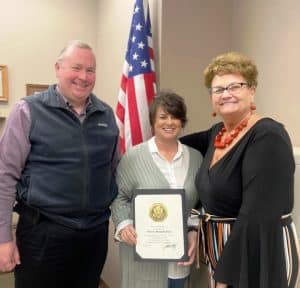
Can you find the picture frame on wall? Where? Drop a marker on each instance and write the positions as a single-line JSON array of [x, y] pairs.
[[35, 88], [3, 83]]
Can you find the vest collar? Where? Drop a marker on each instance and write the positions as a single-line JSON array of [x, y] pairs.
[[54, 99]]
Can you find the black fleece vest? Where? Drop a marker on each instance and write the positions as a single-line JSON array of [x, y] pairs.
[[68, 173]]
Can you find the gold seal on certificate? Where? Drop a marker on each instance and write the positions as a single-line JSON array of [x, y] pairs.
[[160, 223], [158, 212]]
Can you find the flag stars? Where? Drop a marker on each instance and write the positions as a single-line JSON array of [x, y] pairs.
[[141, 45], [144, 63], [138, 27], [135, 56], [136, 9]]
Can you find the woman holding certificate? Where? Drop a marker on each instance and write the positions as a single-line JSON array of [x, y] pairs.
[[160, 163]]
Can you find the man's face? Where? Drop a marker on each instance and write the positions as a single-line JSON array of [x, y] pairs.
[[76, 74]]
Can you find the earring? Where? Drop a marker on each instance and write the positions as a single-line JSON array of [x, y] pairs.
[[213, 114], [252, 107]]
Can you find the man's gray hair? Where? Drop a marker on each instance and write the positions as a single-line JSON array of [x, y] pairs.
[[73, 43]]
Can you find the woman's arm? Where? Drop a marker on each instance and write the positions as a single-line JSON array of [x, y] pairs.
[[198, 140], [121, 207]]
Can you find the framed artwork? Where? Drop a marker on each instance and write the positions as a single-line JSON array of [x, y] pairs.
[[35, 88], [3, 83]]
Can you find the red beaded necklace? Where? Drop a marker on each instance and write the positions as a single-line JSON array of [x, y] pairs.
[[232, 135]]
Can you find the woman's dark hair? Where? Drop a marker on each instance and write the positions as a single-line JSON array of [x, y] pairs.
[[171, 103]]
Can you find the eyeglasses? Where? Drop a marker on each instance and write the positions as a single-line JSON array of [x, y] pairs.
[[233, 89]]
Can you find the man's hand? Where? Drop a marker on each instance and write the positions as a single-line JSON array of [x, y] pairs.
[[9, 256], [128, 235]]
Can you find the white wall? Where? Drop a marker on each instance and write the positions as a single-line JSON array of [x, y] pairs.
[[32, 34], [113, 23], [192, 33], [268, 31]]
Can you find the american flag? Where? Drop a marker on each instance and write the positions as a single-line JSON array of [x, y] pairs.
[[138, 85]]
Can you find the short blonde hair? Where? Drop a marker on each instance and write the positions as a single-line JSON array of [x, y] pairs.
[[231, 63]]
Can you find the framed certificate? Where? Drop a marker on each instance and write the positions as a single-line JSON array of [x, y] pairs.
[[3, 83], [160, 223], [35, 88]]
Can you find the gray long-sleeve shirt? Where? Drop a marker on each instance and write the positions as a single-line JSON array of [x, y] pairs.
[[14, 149]]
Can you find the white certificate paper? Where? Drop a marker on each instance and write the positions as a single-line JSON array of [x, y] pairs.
[[160, 223]]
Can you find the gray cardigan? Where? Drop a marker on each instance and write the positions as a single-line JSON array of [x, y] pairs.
[[138, 170]]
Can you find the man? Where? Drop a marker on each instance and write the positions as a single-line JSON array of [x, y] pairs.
[[57, 158]]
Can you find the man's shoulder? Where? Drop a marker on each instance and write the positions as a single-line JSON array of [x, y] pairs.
[[43, 96], [100, 104]]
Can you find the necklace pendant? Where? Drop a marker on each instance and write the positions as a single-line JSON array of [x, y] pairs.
[[218, 143]]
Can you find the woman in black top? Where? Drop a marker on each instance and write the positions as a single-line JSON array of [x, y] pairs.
[[245, 185]]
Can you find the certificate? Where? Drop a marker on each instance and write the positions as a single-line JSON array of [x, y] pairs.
[[160, 223]]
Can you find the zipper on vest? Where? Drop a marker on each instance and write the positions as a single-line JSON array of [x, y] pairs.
[[85, 196]]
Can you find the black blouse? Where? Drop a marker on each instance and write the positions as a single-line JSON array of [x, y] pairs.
[[253, 182]]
